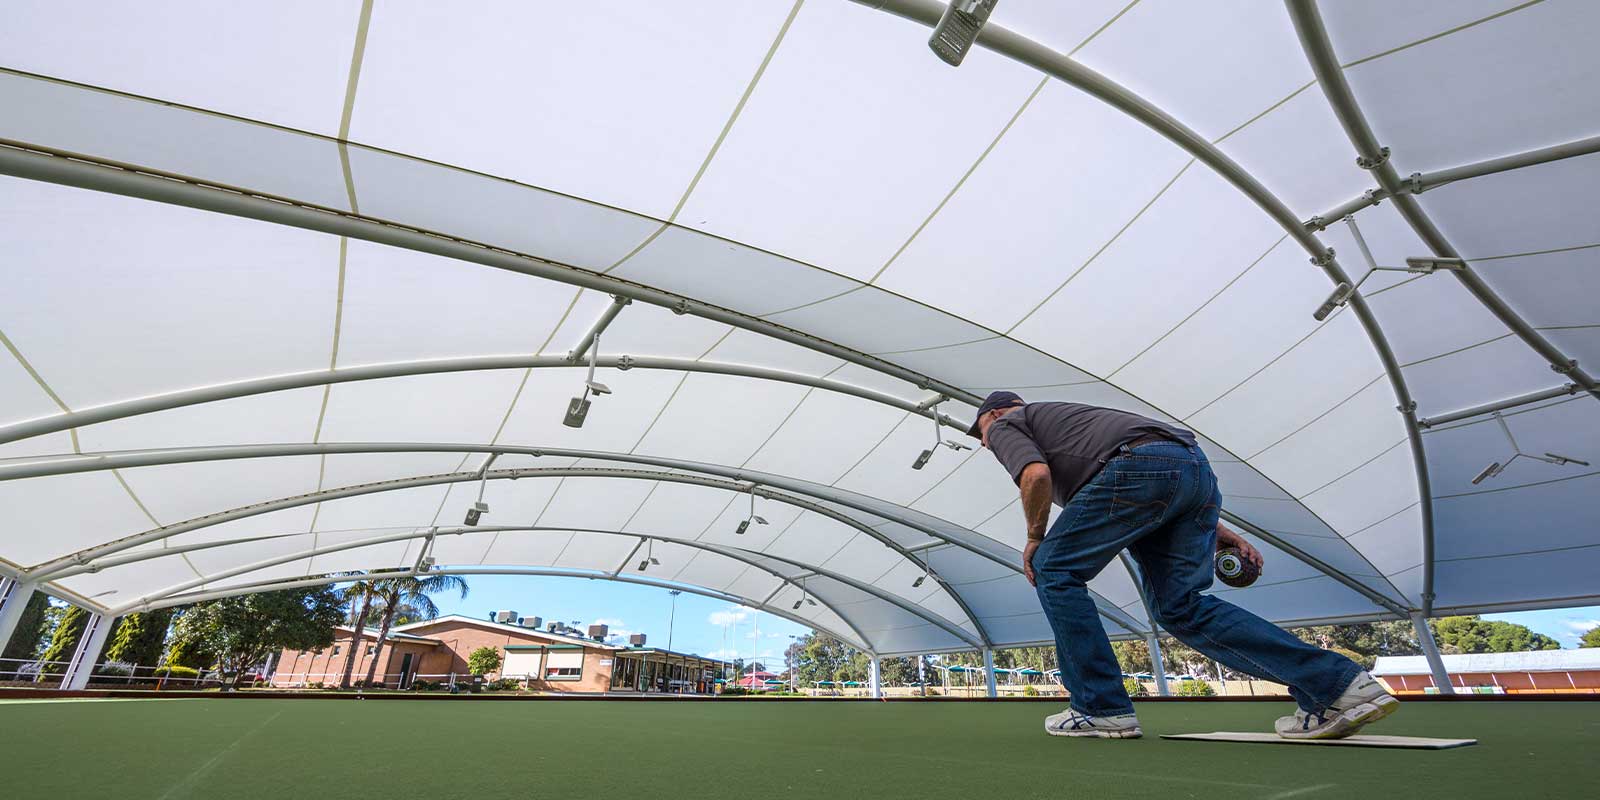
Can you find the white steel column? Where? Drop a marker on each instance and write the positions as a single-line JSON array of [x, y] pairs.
[[1158, 665], [988, 672], [875, 676], [1430, 650], [88, 652], [14, 595]]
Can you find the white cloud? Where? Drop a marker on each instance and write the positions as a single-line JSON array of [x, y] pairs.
[[732, 615], [1582, 626]]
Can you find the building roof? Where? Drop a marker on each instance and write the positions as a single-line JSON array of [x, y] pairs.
[[395, 634], [517, 630], [808, 267], [1462, 664]]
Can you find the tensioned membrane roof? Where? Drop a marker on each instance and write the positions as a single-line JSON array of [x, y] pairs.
[[288, 284]]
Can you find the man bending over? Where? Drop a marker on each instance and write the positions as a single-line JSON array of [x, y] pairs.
[[1125, 481]]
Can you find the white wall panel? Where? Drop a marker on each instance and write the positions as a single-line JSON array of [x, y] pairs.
[[729, 274], [1215, 67], [171, 139], [1260, 316], [1197, 237], [852, 93], [1300, 152], [279, 417], [1364, 28], [1535, 208], [1501, 87], [108, 309], [401, 305], [1022, 222], [493, 211], [50, 517], [568, 114], [229, 58]]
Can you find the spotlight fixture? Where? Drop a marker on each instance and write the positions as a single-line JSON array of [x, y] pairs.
[[958, 29], [805, 597], [1422, 265], [938, 439], [477, 510], [1341, 295], [921, 579], [1498, 467], [427, 564], [1426, 265], [649, 559], [744, 524], [578, 407]]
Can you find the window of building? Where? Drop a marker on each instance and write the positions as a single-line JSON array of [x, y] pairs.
[[563, 665]]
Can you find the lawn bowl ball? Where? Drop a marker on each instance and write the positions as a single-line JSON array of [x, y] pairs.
[[1234, 569]]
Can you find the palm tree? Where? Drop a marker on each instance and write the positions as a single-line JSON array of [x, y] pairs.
[[363, 591], [413, 591]]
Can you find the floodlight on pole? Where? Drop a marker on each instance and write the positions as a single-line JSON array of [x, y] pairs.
[[958, 29], [938, 439], [1426, 265], [480, 508], [923, 578]]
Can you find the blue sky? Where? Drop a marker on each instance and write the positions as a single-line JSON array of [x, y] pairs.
[[720, 630], [702, 625]]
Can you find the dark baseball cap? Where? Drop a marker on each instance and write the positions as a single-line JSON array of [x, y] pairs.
[[1000, 399]]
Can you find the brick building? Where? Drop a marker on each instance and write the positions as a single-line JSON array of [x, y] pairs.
[[1534, 672], [436, 650]]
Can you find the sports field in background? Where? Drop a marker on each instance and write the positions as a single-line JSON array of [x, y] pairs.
[[244, 749]]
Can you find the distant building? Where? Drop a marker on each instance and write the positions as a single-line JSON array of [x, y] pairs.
[[436, 650], [1537, 671]]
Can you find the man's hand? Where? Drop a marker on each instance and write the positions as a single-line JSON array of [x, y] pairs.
[[1227, 538], [1027, 560]]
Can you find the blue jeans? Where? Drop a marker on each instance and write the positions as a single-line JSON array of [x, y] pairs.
[[1160, 500]]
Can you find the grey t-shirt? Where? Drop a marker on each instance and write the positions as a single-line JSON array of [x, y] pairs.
[[1072, 439]]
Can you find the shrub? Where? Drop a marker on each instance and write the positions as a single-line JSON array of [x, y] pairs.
[[735, 691], [1030, 691], [422, 685], [483, 660], [502, 685], [176, 672], [1195, 689], [1133, 687]]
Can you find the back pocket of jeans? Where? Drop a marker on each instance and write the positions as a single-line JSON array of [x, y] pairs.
[[1141, 498]]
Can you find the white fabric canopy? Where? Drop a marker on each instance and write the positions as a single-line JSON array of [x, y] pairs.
[[281, 278]]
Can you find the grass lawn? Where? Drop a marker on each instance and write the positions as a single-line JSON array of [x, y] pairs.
[[244, 749]]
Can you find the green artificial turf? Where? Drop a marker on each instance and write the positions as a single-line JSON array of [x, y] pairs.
[[243, 749]]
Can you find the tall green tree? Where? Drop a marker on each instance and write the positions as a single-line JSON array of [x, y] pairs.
[[412, 590], [30, 630], [63, 642], [1591, 638], [1477, 635], [239, 632], [359, 595], [139, 637]]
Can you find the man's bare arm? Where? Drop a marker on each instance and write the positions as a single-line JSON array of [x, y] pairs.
[[1036, 493]]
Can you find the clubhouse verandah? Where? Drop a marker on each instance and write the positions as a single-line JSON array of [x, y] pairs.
[[437, 650]]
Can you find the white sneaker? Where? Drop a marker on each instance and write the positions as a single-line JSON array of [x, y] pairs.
[[1363, 702], [1072, 723]]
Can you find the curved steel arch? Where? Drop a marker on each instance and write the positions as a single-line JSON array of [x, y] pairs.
[[554, 572], [78, 561], [1064, 68], [1375, 158], [37, 163], [86, 560], [299, 380], [735, 553]]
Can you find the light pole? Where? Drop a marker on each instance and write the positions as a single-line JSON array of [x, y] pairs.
[[794, 667], [672, 618]]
